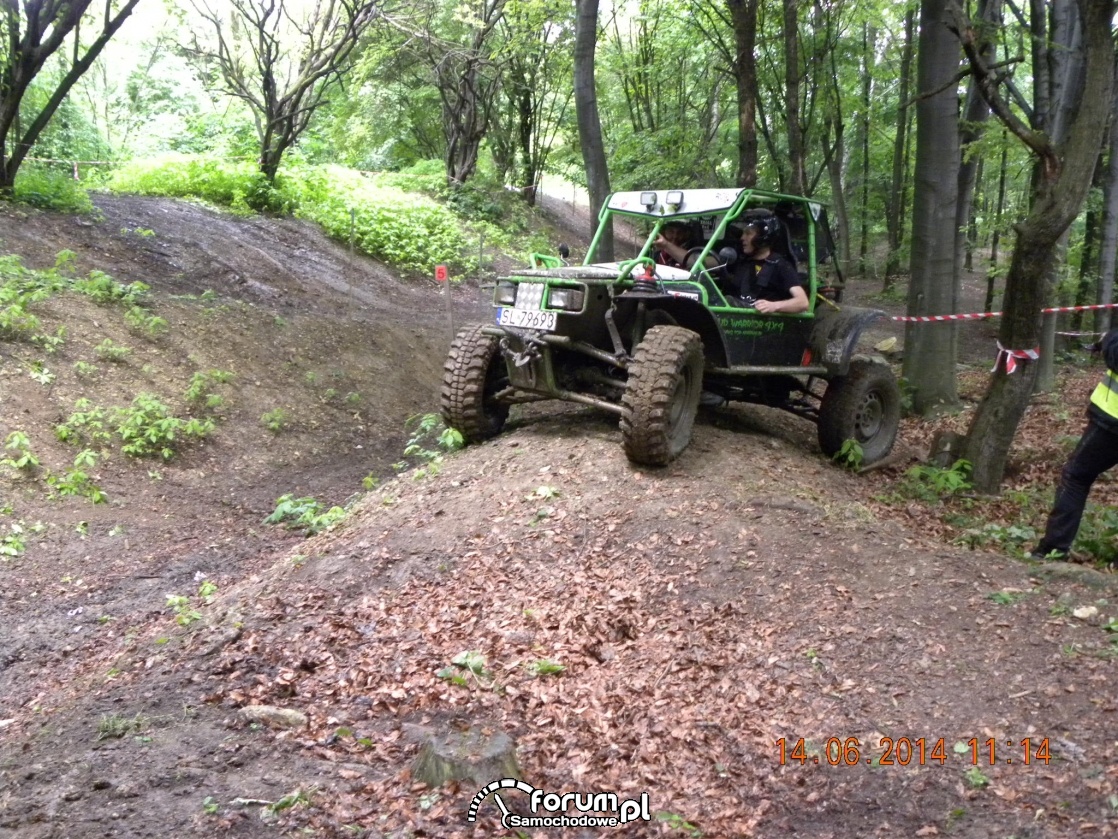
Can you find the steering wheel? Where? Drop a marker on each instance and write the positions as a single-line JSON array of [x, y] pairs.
[[691, 257]]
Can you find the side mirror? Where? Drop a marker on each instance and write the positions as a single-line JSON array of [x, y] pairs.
[[564, 251]]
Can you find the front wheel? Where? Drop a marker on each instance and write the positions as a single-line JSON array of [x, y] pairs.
[[864, 406], [662, 395], [474, 373]]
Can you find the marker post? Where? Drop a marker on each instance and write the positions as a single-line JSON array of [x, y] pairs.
[[442, 275]]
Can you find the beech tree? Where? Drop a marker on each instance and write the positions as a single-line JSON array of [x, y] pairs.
[[929, 358], [279, 61], [29, 35], [1062, 176], [589, 123]]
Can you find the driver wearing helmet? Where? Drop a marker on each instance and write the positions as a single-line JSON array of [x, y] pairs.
[[765, 280]]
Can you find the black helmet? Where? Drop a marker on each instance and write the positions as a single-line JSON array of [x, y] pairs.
[[768, 230]]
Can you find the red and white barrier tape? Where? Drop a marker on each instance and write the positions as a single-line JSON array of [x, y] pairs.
[[1012, 356], [984, 315]]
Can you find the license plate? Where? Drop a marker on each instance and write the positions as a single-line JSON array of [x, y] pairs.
[[543, 321]]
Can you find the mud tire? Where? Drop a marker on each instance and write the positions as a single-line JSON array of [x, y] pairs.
[[473, 374], [864, 405], [662, 395]]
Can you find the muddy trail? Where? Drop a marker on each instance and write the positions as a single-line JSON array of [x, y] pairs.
[[747, 636]]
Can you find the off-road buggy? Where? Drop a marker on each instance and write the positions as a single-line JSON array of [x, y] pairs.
[[646, 341]]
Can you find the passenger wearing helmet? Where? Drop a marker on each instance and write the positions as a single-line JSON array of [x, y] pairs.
[[765, 280]]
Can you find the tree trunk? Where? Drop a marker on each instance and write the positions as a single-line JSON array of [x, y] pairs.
[[1108, 247], [1064, 175], [743, 13], [995, 238], [589, 123], [869, 37], [796, 151], [893, 216], [970, 131], [929, 355]]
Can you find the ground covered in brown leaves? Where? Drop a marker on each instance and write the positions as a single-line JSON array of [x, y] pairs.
[[634, 631]]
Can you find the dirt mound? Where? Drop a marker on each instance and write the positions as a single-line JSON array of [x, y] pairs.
[[738, 635]]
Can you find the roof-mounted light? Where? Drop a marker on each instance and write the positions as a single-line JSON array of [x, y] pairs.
[[674, 199], [648, 199]]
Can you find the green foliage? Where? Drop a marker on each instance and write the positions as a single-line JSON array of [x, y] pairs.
[[275, 420], [77, 482], [976, 778], [51, 189], [304, 513], [21, 459], [993, 533], [140, 321], [931, 483], [50, 344], [115, 726], [428, 430], [1098, 534], [467, 663], [85, 426], [850, 455], [546, 667], [200, 391], [105, 291], [107, 350], [147, 428], [14, 542], [237, 185], [1006, 598]]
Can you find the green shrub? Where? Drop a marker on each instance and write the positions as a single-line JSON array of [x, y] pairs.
[[240, 186], [148, 428], [104, 290], [304, 513], [930, 483], [51, 189]]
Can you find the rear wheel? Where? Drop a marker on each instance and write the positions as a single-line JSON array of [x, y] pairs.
[[865, 406], [662, 395], [473, 374]]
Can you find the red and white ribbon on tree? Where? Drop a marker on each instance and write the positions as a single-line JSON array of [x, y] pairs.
[[1011, 357]]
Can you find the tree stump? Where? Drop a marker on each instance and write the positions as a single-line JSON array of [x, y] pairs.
[[474, 754]]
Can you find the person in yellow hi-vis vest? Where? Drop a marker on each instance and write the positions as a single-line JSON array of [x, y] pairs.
[[1097, 451]]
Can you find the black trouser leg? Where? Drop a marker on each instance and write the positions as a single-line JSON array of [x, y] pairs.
[[1097, 451]]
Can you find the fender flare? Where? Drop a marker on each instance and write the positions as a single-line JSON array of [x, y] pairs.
[[836, 334], [689, 314]]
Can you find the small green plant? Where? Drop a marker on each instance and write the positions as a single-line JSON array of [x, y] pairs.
[[288, 801], [77, 481], [50, 344], [147, 428], [185, 613], [1006, 598], [21, 459], [85, 370], [152, 326], [993, 533], [104, 290], [304, 513], [275, 420], [85, 426], [677, 822], [467, 663], [370, 482], [118, 725], [931, 483], [353, 398], [14, 542], [976, 778], [210, 806], [546, 667], [542, 493], [200, 391], [109, 351], [41, 374], [142, 232], [850, 455]]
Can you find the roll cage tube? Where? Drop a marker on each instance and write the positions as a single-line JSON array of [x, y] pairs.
[[728, 217]]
